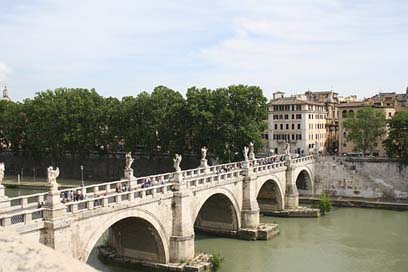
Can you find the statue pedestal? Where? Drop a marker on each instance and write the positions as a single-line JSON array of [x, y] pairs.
[[128, 174], [178, 180], [203, 164], [251, 156], [56, 209], [4, 203]]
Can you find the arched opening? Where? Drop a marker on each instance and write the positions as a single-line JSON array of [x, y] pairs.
[[130, 239], [344, 114], [304, 183], [218, 216], [270, 197]]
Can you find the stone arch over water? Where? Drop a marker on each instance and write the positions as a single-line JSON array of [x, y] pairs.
[[136, 235], [217, 213], [270, 196], [304, 182]]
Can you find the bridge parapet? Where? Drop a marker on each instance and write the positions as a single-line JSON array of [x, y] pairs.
[[303, 159], [12, 204]]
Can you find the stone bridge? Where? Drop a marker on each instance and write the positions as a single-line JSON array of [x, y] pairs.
[[157, 223]]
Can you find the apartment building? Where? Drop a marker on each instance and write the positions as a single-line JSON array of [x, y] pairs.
[[330, 100], [298, 121]]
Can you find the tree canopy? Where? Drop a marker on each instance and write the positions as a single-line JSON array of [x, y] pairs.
[[396, 144], [365, 127], [80, 121]]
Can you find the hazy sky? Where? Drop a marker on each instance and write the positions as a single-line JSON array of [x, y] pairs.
[[124, 47]]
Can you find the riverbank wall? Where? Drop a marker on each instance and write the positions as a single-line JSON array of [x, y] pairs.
[[358, 203], [365, 178], [96, 167]]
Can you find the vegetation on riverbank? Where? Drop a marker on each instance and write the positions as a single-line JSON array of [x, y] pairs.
[[325, 204], [216, 260], [80, 121]]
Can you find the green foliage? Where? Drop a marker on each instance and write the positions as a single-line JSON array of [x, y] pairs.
[[325, 204], [81, 121], [365, 127], [216, 260], [226, 119], [397, 143]]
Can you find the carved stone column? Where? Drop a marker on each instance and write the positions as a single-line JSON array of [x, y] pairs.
[[250, 208], [182, 238], [291, 192]]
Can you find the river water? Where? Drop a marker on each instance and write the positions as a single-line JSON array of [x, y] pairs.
[[346, 239]]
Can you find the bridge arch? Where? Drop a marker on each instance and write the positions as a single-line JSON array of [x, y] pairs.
[[269, 194], [217, 211], [304, 180], [130, 218]]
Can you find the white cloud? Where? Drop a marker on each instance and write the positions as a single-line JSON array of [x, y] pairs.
[[123, 48], [4, 72]]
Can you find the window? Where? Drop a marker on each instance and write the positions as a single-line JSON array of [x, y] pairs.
[[298, 116], [281, 126], [293, 126], [287, 126], [293, 116], [293, 136], [286, 116], [298, 126], [276, 126], [344, 114]]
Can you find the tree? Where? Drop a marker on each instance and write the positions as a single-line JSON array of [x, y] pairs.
[[226, 119], [396, 144], [365, 127]]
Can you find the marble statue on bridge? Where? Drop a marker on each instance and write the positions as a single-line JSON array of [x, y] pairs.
[[2, 169], [129, 161], [287, 149], [251, 151], [52, 178], [245, 152], [204, 153], [177, 161]]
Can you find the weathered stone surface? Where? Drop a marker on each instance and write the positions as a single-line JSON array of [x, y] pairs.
[[363, 178], [20, 254], [221, 199]]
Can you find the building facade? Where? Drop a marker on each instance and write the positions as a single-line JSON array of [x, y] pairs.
[[330, 100], [297, 121]]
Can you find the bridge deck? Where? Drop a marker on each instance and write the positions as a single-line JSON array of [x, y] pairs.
[[24, 209]]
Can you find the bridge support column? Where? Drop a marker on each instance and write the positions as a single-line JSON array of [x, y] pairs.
[[182, 239], [56, 224], [291, 192], [3, 197], [250, 208]]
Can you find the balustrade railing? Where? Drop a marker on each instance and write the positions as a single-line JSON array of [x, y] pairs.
[[106, 200], [23, 209], [21, 217]]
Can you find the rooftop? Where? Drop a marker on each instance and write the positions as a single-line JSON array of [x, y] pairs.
[[292, 101]]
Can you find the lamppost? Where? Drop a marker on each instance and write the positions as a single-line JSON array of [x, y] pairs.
[[82, 176]]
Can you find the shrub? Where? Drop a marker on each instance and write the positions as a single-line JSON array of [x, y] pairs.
[[325, 203], [216, 260]]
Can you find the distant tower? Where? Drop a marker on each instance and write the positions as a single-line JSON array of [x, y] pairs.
[[5, 94]]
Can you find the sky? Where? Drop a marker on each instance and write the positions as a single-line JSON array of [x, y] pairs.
[[123, 47]]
